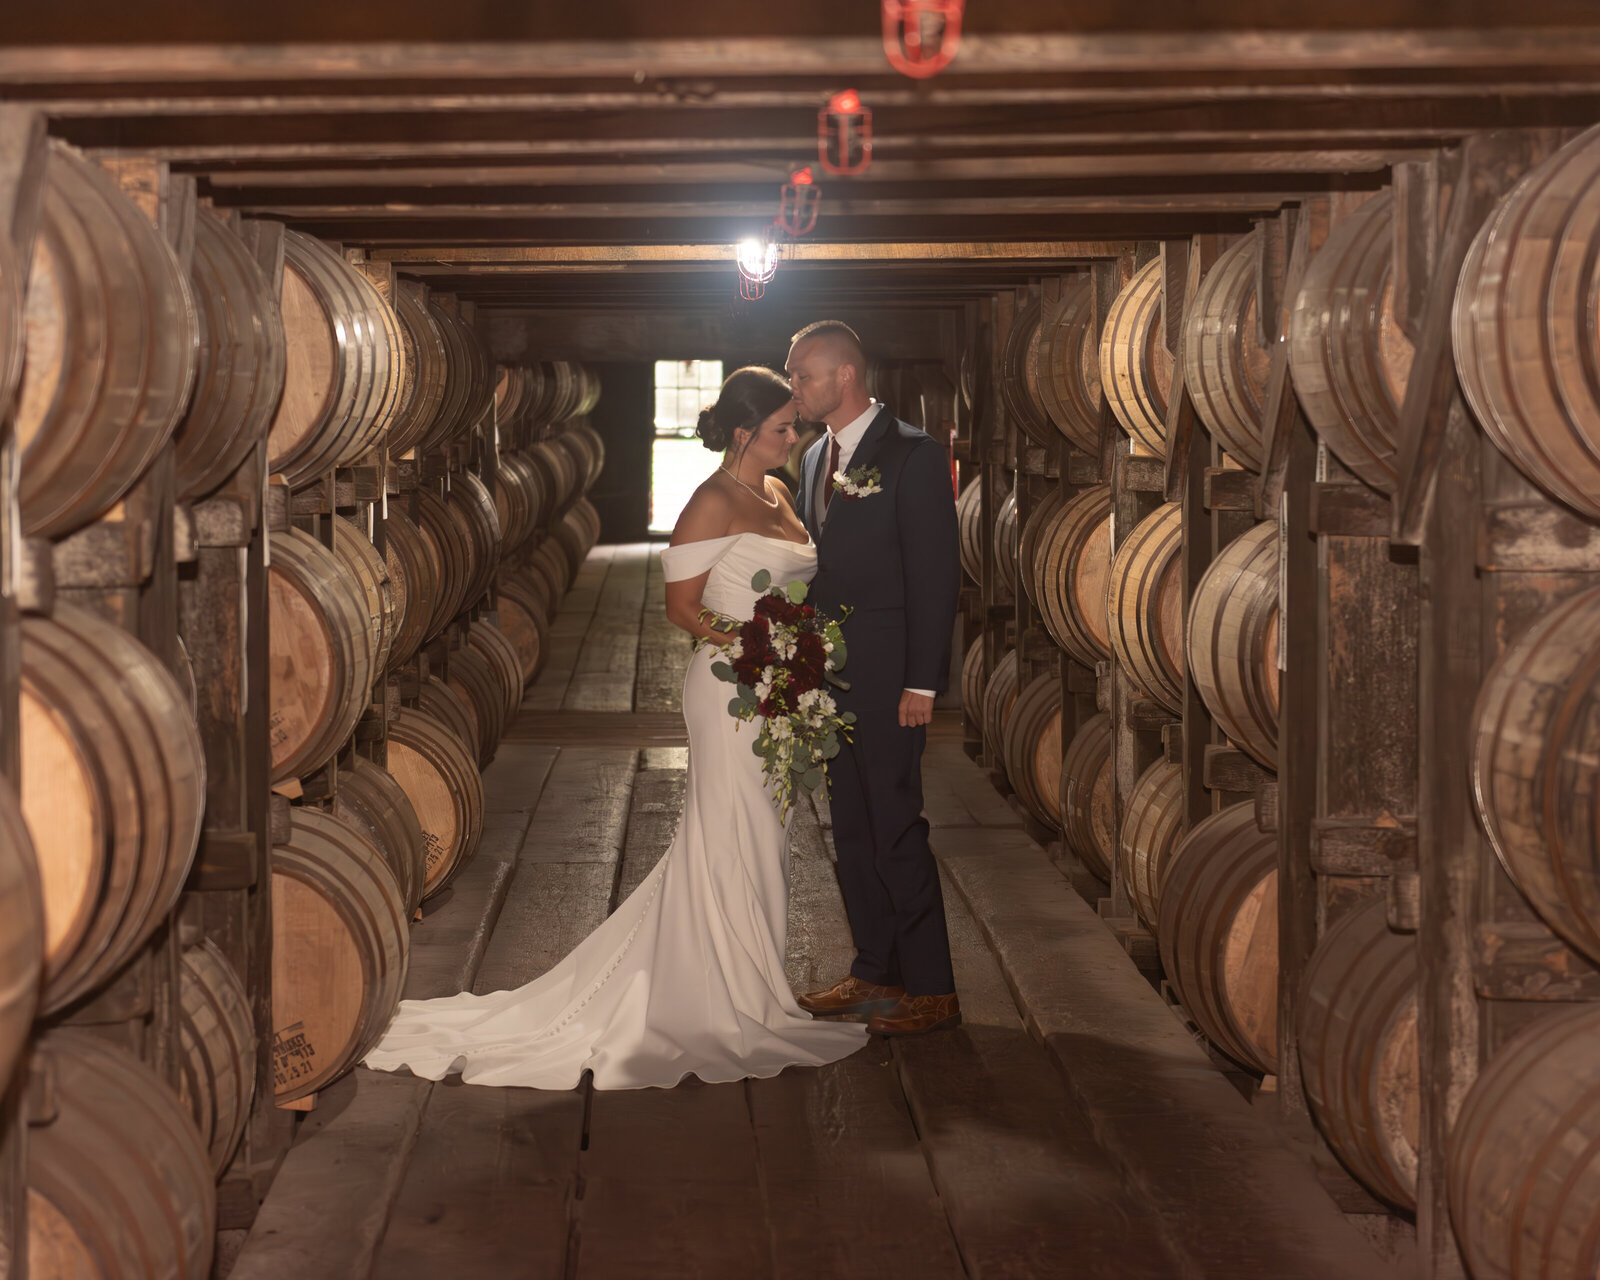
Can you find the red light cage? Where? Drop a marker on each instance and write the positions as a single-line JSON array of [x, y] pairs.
[[750, 289], [920, 37], [844, 134], [798, 203]]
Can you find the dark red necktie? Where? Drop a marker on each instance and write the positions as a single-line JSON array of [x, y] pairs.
[[827, 480]]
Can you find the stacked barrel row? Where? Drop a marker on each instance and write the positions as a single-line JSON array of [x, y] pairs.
[[1524, 1174], [120, 360], [1208, 895]]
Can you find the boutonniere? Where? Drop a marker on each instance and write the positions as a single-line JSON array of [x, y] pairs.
[[858, 482]]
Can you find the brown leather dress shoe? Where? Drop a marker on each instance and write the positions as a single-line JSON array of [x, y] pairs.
[[850, 995], [915, 1014]]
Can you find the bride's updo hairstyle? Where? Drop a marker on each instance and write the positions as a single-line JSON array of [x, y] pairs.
[[748, 398]]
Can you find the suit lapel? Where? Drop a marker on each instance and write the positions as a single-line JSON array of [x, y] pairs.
[[874, 435], [808, 486]]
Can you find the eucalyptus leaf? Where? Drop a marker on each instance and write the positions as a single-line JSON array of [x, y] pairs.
[[761, 581], [811, 779], [849, 717], [758, 747], [747, 694], [723, 671], [830, 748], [736, 707], [798, 592], [797, 765]]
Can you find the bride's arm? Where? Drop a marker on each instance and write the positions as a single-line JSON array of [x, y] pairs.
[[708, 515]]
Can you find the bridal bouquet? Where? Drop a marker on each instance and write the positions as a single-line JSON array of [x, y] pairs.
[[782, 661]]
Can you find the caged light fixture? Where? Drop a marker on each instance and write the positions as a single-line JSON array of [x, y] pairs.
[[757, 260], [798, 203], [844, 134], [920, 37]]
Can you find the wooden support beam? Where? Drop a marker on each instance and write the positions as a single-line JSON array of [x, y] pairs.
[[833, 59]]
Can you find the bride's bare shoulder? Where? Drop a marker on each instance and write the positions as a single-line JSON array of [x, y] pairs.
[[708, 514]]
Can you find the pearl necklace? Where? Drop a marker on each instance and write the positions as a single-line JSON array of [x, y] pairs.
[[765, 501]]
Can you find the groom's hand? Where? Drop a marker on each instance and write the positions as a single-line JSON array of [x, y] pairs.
[[915, 709]]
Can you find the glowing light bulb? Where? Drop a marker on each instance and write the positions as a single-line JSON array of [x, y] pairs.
[[757, 259]]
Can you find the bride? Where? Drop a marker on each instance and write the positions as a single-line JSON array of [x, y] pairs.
[[686, 976]]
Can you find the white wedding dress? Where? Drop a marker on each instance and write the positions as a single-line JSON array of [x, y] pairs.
[[686, 976]]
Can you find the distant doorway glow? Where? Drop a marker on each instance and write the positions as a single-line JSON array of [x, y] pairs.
[[678, 461]]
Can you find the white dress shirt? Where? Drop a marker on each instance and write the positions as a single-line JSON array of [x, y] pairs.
[[848, 437]]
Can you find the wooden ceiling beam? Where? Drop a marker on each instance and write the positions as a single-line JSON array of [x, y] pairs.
[[708, 98], [838, 59], [705, 173]]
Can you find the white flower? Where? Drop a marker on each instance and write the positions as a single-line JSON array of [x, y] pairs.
[[827, 647], [858, 482], [825, 703], [785, 649], [779, 730], [763, 688], [735, 650]]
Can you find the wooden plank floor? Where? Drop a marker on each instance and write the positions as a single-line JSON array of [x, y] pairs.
[[964, 1154]]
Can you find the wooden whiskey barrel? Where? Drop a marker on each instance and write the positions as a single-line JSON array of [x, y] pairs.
[[571, 535], [474, 511], [1007, 537], [119, 1183], [1349, 356], [517, 500], [1357, 1020], [241, 363], [1069, 365], [1144, 605], [1232, 641], [1526, 326], [560, 473], [1219, 934], [479, 682], [1033, 748], [437, 772], [1029, 551], [111, 347], [413, 583], [1019, 376], [1524, 1165], [367, 569], [345, 362], [1225, 367], [493, 643], [523, 610], [450, 709], [22, 944], [339, 951], [550, 562], [217, 1050], [321, 654], [370, 800], [969, 522], [1071, 571], [588, 452], [999, 697], [1088, 801], [450, 549], [587, 518], [427, 368], [1533, 765], [972, 683], [113, 789], [1135, 365], [1149, 837], [469, 389]]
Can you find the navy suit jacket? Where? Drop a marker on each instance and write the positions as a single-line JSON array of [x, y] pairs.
[[892, 557]]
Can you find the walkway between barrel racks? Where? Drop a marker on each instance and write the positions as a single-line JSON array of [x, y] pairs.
[[1069, 1127]]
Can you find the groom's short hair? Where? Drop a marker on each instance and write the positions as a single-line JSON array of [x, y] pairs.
[[839, 332]]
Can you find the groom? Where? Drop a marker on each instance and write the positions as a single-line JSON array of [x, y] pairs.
[[886, 549]]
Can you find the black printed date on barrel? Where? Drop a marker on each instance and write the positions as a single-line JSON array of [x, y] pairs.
[[294, 1057]]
